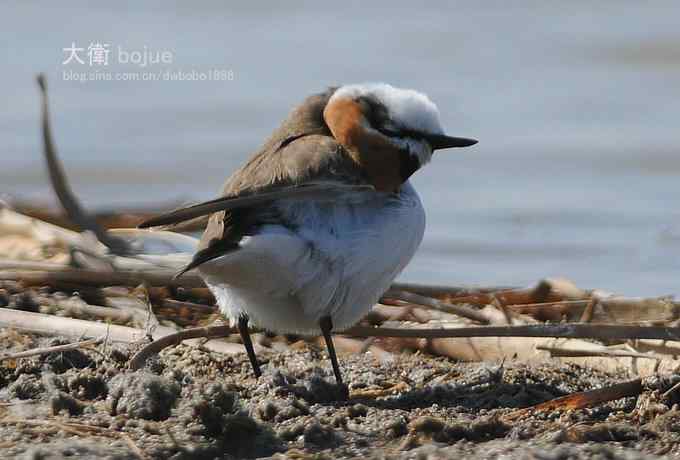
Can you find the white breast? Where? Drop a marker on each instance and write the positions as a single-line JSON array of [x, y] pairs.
[[337, 260]]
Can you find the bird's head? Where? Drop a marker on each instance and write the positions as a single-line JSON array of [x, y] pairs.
[[390, 132]]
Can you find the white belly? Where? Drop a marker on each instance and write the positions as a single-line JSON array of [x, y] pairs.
[[338, 260]]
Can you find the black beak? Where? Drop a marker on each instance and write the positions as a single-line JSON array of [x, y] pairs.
[[442, 141]]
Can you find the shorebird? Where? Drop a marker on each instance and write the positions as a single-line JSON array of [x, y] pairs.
[[313, 229]]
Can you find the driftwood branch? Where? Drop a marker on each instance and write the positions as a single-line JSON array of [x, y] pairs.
[[155, 347], [94, 278], [49, 325], [582, 400], [61, 186]]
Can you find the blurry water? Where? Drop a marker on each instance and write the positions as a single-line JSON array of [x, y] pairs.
[[575, 105]]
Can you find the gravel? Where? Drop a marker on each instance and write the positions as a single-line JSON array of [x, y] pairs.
[[193, 404]]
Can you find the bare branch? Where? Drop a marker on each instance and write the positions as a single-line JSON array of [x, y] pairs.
[[62, 188], [418, 299], [582, 400], [603, 352], [155, 347], [130, 278], [564, 330]]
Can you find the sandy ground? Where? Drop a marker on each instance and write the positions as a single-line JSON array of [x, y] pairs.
[[192, 404]]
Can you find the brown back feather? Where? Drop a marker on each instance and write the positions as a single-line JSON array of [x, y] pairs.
[[301, 150]]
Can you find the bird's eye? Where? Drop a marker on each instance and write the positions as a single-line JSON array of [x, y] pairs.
[[389, 132], [401, 133]]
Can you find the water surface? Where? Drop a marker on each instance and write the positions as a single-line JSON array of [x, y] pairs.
[[575, 105]]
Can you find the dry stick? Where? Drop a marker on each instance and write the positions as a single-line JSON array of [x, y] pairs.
[[671, 390], [430, 302], [605, 353], [79, 308], [567, 330], [54, 349], [199, 307], [62, 188], [120, 217], [548, 310], [451, 291], [94, 278], [12, 268], [582, 400], [563, 330], [133, 278], [80, 429], [212, 332], [403, 313], [12, 264], [50, 325]]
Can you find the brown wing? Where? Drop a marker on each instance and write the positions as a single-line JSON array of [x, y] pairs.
[[311, 167], [300, 153], [250, 199], [301, 170]]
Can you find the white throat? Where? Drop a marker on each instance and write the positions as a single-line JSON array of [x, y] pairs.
[[418, 148]]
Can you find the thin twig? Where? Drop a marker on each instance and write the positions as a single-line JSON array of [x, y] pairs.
[[80, 429], [198, 307], [604, 352], [430, 302], [53, 349], [671, 390]]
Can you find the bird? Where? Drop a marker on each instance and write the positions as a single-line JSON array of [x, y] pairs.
[[309, 233]]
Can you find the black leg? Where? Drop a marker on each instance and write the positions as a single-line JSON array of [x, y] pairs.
[[245, 337], [326, 325]]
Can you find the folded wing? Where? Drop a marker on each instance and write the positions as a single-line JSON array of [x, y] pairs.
[[308, 191]]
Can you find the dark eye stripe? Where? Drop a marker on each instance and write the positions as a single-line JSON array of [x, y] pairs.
[[377, 114], [402, 133]]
